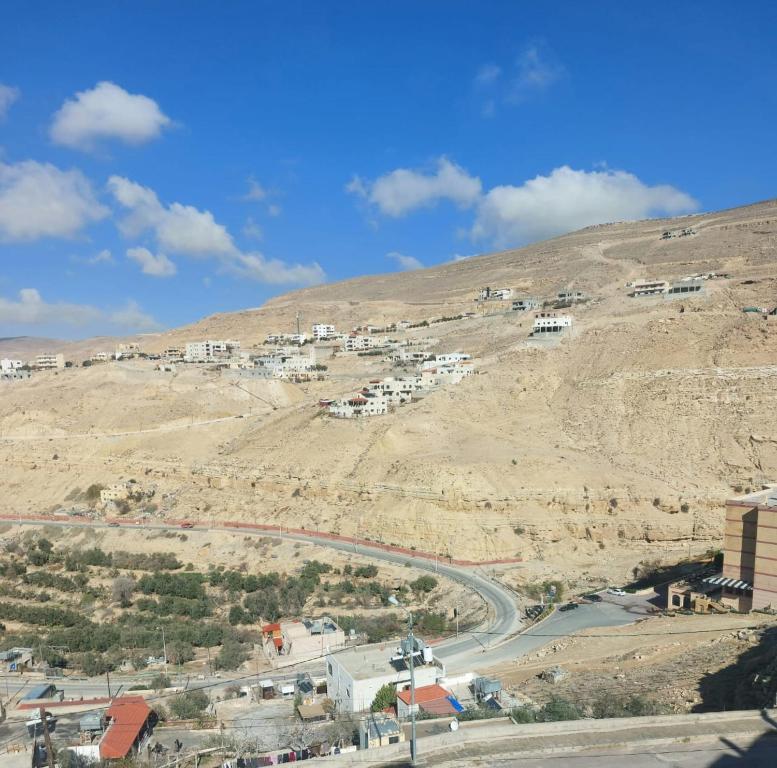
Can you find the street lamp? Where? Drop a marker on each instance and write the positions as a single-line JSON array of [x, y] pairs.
[[411, 643]]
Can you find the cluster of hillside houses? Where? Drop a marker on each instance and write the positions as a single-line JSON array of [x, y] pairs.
[[381, 395]]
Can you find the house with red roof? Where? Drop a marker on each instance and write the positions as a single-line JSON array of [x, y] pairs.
[[433, 699], [129, 720]]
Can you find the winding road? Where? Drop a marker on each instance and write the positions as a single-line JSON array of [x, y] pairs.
[[497, 640]]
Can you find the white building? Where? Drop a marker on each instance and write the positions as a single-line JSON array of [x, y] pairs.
[[495, 294], [360, 404], [550, 322], [126, 350], [434, 361], [571, 297], [356, 343], [209, 350], [354, 676], [100, 357], [7, 365], [298, 339], [526, 304], [322, 331], [47, 362], [173, 354], [644, 287], [452, 374], [686, 285]]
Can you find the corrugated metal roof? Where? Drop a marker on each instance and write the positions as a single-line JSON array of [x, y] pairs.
[[128, 715], [720, 581], [38, 691]]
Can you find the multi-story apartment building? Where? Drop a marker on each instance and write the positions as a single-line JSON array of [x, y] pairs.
[[48, 362], [749, 578], [208, 351], [322, 331]]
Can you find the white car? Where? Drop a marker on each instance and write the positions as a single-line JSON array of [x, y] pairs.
[[616, 591]]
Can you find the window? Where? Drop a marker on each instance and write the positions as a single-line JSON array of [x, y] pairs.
[[329, 667], [393, 739]]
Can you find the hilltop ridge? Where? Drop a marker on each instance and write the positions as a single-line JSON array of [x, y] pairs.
[[623, 437]]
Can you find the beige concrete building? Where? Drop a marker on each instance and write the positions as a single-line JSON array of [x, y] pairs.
[[748, 580], [750, 551], [49, 362]]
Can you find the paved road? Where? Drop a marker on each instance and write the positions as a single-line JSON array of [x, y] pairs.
[[493, 642], [721, 752]]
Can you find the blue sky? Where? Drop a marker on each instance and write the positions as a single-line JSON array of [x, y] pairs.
[[163, 161]]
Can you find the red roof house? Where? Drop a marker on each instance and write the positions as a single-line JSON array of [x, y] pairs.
[[128, 718], [431, 698]]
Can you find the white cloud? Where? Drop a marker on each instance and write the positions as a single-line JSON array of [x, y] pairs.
[[31, 309], [405, 262], [462, 256], [103, 257], [107, 111], [252, 229], [274, 271], [39, 200], [157, 266], [8, 95], [178, 228], [256, 191], [185, 230], [274, 210], [132, 318], [487, 75], [403, 190], [568, 199], [537, 69]]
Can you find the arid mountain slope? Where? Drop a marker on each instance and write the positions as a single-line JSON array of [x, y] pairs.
[[615, 444]]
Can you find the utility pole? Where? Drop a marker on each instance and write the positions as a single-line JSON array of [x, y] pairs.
[[164, 649], [47, 738], [108, 678], [411, 640]]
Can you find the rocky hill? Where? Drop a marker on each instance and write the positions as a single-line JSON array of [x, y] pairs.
[[615, 444]]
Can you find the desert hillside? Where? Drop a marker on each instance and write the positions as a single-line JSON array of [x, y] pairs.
[[614, 444]]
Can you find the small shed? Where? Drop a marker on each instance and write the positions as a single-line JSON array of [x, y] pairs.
[[378, 730], [484, 687], [267, 688], [41, 691], [91, 722], [311, 713]]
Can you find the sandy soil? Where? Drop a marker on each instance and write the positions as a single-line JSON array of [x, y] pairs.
[[582, 457]]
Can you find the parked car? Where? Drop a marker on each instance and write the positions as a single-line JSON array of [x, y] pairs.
[[113, 524], [616, 591], [593, 598], [187, 524], [568, 607]]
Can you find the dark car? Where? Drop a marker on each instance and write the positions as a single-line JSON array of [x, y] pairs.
[[594, 598], [568, 607]]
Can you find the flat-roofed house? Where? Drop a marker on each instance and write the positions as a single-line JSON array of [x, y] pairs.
[[355, 675]]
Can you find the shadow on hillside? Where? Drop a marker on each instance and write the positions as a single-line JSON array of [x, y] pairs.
[[748, 682], [762, 753], [661, 575]]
